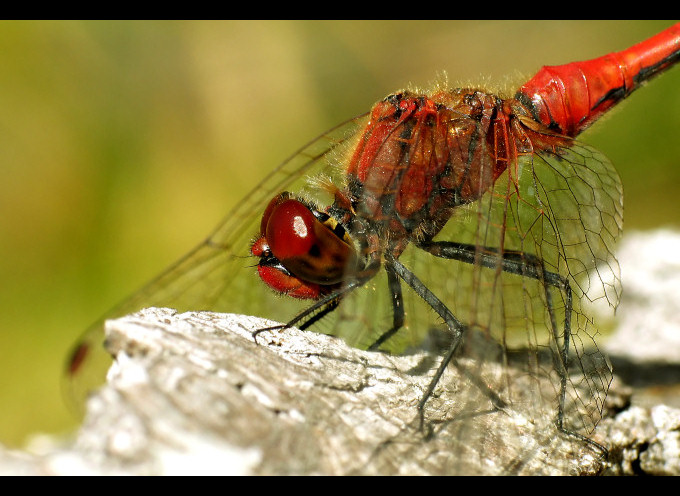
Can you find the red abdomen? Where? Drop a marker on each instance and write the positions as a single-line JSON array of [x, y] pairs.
[[569, 98]]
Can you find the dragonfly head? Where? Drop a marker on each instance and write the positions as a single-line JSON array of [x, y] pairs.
[[303, 252]]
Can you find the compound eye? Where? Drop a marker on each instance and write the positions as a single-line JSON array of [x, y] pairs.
[[290, 230], [308, 248]]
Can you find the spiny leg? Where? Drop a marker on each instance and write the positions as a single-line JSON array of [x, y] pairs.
[[455, 326], [526, 265], [397, 308], [315, 312], [326, 304]]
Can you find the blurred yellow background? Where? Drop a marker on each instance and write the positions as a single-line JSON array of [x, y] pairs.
[[123, 143]]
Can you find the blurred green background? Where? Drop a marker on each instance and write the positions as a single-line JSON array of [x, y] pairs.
[[123, 143]]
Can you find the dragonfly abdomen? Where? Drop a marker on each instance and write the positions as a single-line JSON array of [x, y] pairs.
[[569, 98]]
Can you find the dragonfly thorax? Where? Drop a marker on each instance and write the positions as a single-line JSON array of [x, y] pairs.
[[419, 157]]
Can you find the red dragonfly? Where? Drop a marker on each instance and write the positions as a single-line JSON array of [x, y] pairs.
[[453, 208]]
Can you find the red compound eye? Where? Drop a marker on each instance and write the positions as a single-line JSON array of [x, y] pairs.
[[298, 252], [291, 230], [278, 278]]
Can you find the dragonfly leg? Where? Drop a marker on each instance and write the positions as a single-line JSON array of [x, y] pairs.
[[526, 265], [455, 326], [397, 308], [315, 312], [327, 303], [332, 305]]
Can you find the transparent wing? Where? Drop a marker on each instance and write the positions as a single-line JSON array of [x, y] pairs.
[[219, 274], [530, 337], [529, 345]]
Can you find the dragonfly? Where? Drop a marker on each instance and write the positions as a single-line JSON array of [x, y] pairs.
[[456, 210]]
